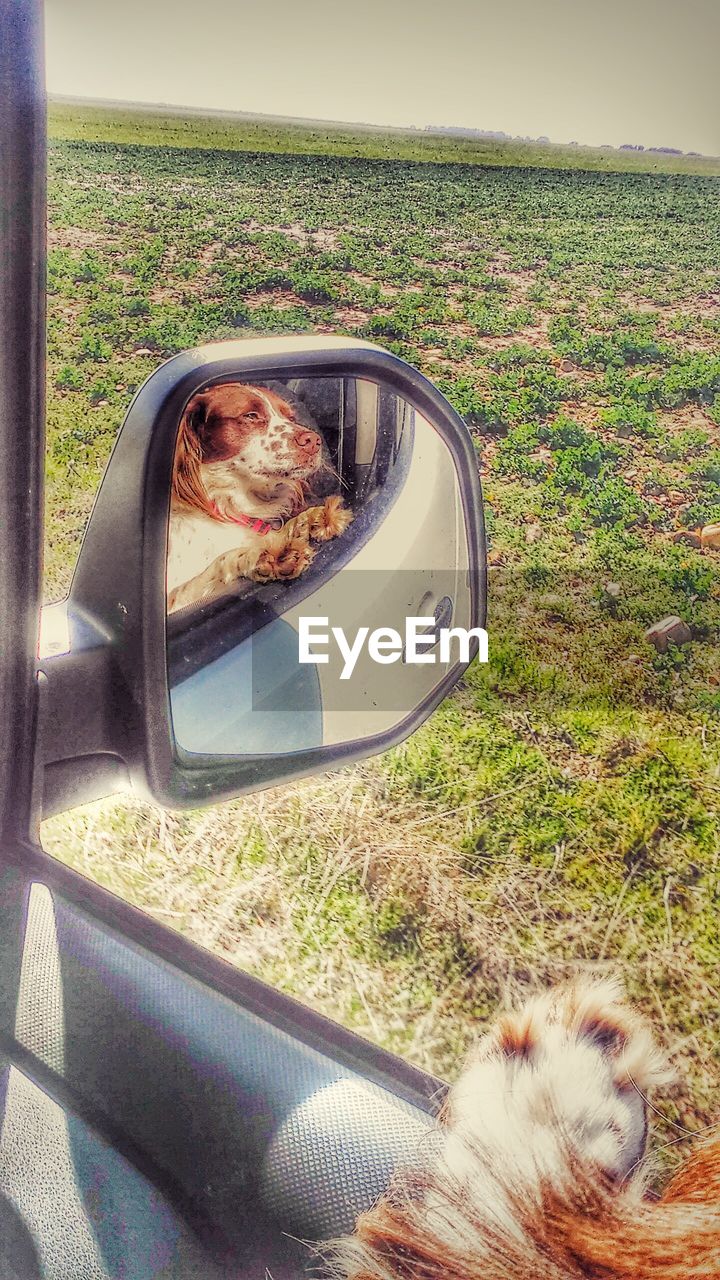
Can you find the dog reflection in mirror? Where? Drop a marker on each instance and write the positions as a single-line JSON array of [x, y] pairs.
[[244, 502], [539, 1173]]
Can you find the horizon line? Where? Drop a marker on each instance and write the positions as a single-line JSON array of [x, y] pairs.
[[497, 135]]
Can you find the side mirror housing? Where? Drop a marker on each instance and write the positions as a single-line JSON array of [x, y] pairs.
[[241, 684]]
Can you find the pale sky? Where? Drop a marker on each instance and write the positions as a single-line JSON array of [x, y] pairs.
[[642, 71]]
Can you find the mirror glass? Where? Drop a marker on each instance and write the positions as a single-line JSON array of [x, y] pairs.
[[309, 521]]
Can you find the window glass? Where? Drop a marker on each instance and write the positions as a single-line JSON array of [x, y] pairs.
[[559, 813]]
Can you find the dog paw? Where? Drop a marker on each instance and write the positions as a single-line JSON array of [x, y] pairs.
[[329, 520], [571, 1070], [284, 564], [228, 569]]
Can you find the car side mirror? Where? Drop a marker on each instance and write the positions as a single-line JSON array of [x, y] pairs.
[[284, 570]]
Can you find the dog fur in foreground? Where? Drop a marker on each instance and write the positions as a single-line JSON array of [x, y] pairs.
[[243, 499], [540, 1173]]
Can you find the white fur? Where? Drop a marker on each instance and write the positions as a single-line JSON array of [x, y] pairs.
[[518, 1121], [195, 540]]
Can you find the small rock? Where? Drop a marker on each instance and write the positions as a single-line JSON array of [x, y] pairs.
[[630, 475], [688, 537], [710, 535], [670, 630], [624, 431], [566, 366], [613, 590], [533, 533], [142, 351]]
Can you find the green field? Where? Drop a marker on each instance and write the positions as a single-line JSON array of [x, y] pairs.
[[561, 810], [155, 127]]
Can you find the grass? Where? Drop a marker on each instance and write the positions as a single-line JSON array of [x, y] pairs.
[[170, 128], [560, 811]]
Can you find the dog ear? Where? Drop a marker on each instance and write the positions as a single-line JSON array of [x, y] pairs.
[[187, 486], [195, 417]]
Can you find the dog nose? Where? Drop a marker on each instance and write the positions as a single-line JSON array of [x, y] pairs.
[[307, 441]]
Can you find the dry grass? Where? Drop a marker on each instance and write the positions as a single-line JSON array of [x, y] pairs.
[[355, 895]]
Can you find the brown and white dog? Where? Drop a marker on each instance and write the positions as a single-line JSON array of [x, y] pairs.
[[539, 1176], [242, 494]]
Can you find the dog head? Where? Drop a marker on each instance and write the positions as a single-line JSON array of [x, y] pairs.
[[241, 439]]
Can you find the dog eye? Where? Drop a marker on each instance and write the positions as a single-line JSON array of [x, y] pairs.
[[252, 416]]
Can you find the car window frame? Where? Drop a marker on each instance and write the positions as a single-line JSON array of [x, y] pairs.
[[22, 404]]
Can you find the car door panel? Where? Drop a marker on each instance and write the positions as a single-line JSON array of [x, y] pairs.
[[235, 1123]]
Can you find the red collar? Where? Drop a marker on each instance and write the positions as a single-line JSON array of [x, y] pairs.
[[251, 522]]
